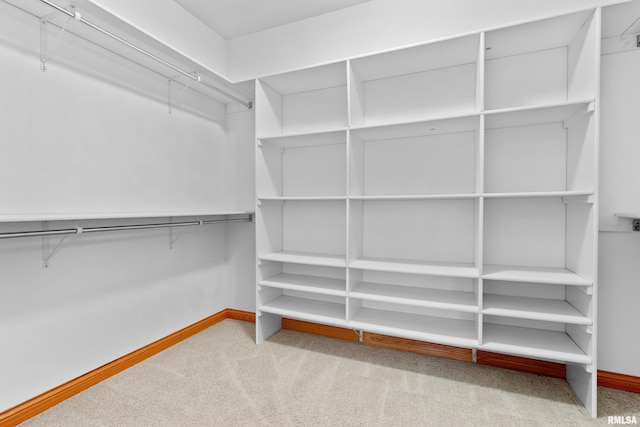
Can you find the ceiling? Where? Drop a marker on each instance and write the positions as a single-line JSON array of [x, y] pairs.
[[237, 18]]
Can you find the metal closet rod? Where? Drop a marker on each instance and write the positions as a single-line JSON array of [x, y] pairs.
[[192, 76], [83, 230]]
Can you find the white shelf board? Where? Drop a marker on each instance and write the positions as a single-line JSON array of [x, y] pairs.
[[439, 330], [533, 115], [418, 197], [533, 308], [630, 215], [534, 194], [436, 126], [68, 216], [314, 284], [308, 79], [451, 269], [302, 198], [536, 343], [547, 275], [327, 260], [300, 140], [416, 296], [307, 309]]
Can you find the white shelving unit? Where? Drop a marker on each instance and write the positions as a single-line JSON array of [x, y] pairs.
[[445, 192]]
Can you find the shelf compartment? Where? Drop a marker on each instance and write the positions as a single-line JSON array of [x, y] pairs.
[[302, 101], [306, 309], [411, 295], [514, 273], [533, 308], [326, 260], [416, 326], [424, 158], [415, 83], [539, 240], [316, 227], [529, 342], [306, 283], [312, 165], [451, 269], [550, 60], [540, 150], [435, 237]]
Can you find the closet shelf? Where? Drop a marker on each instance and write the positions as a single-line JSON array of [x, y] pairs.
[[449, 269], [326, 260], [428, 126], [415, 296], [536, 343], [438, 330], [548, 275], [630, 215], [418, 197], [534, 194], [307, 309], [536, 114], [301, 198], [533, 308], [314, 284], [305, 139], [112, 215]]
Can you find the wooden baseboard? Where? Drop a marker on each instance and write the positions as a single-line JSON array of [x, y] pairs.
[[318, 329], [246, 316], [41, 403], [521, 364], [421, 347], [619, 381]]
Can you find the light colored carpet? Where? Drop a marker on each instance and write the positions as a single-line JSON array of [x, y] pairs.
[[220, 377]]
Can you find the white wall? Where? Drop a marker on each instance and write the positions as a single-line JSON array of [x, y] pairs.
[[93, 135], [242, 245], [619, 275], [379, 25]]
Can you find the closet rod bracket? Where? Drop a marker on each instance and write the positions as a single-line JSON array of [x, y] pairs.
[[172, 101], [48, 253], [46, 52], [173, 237]]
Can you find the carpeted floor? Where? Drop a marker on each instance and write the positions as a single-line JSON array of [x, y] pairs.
[[221, 378]]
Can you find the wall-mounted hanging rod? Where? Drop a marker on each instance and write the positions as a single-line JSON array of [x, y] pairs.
[[84, 230], [193, 76]]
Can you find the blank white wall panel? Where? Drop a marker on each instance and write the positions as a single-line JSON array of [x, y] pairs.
[[422, 165], [318, 170], [532, 78], [525, 158], [516, 229], [314, 227], [415, 96], [407, 230], [315, 110]]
